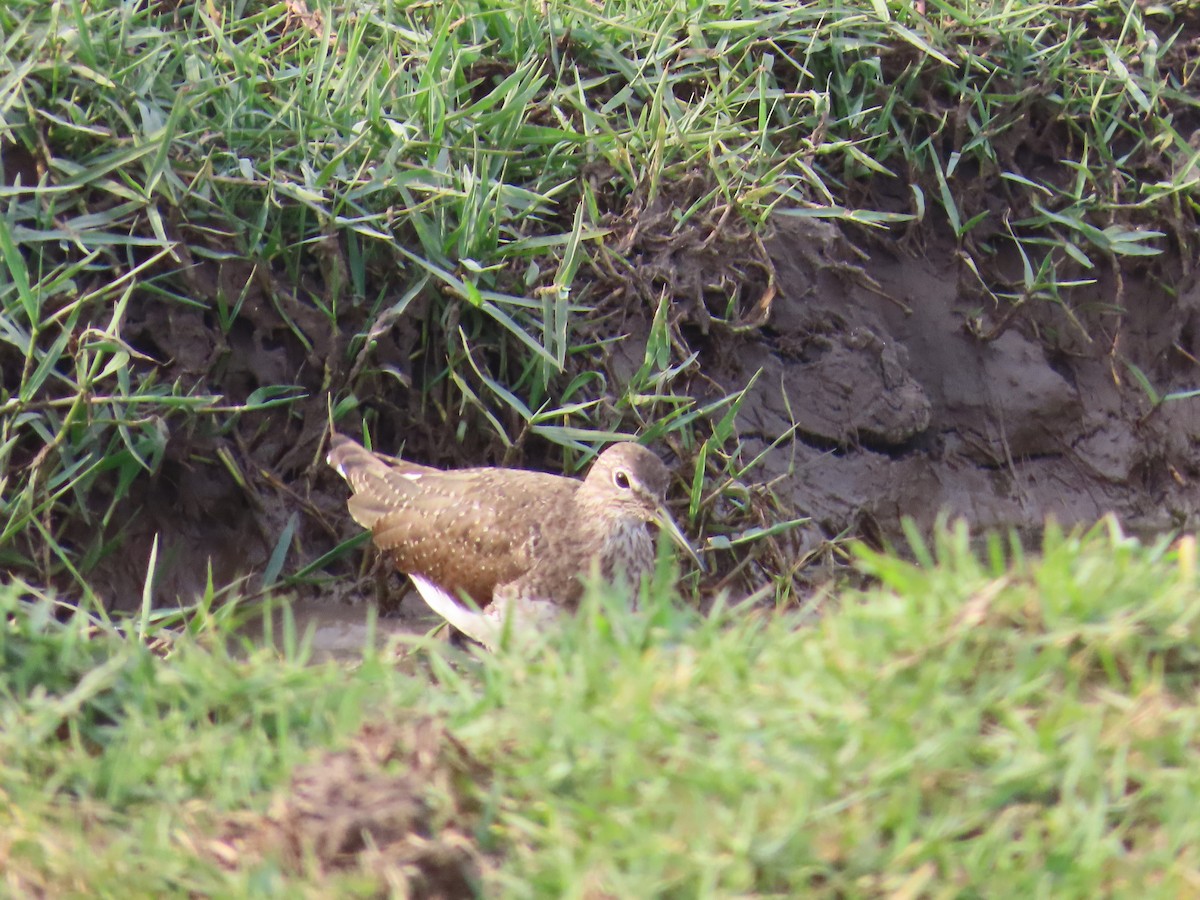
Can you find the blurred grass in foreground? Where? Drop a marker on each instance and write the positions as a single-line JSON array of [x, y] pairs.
[[994, 723]]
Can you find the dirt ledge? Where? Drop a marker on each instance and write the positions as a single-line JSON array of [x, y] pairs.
[[901, 410]]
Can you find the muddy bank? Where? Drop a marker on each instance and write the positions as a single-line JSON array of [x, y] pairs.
[[892, 384], [909, 393]]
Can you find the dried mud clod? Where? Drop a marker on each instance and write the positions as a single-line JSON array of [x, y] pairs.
[[395, 805]]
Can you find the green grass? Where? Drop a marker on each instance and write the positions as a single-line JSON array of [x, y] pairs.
[[436, 210], [984, 723], [433, 219]]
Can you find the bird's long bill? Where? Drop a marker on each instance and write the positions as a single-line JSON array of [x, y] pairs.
[[667, 524]]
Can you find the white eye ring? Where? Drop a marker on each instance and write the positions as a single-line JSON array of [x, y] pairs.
[[621, 479]]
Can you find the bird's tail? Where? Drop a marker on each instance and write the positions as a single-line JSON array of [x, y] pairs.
[[353, 461], [378, 483]]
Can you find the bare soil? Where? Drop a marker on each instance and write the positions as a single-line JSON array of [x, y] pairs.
[[911, 395], [893, 383]]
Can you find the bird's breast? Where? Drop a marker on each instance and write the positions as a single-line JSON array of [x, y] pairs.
[[627, 553]]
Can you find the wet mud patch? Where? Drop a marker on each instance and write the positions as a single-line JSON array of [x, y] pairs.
[[907, 396], [395, 806]]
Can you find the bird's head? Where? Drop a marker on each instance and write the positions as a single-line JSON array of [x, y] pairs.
[[628, 480]]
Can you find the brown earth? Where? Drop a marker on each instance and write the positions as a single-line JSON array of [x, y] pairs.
[[910, 395], [892, 383]]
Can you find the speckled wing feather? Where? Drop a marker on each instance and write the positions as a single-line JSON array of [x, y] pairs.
[[448, 526], [369, 476]]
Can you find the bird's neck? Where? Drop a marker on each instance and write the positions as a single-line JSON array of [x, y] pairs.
[[626, 548]]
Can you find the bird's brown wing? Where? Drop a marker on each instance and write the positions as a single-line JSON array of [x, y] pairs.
[[466, 530]]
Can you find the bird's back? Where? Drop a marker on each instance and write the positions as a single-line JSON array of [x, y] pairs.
[[466, 530]]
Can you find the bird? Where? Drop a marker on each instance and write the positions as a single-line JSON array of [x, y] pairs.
[[513, 541]]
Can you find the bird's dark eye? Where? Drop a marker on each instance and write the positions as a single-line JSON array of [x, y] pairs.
[[621, 479]]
